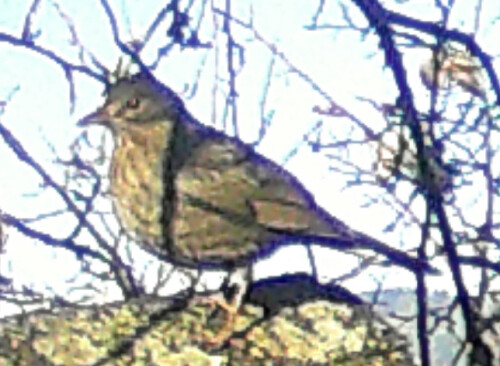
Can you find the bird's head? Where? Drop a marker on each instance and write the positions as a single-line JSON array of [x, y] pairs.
[[136, 101]]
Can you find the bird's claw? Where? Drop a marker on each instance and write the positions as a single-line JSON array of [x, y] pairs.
[[222, 335]]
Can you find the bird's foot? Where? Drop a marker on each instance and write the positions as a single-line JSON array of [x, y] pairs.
[[224, 334]]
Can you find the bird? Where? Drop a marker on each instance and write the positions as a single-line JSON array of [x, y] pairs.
[[190, 194]]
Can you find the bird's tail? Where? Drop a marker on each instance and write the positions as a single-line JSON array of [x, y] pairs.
[[339, 236]]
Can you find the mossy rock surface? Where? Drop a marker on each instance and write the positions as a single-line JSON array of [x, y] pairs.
[[317, 333]]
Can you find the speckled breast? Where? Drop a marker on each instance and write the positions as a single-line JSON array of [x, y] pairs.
[[137, 181]]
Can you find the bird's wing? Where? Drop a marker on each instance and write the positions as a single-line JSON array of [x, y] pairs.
[[230, 201], [260, 188], [227, 193]]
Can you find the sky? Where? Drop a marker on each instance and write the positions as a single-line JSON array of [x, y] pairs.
[[344, 65]]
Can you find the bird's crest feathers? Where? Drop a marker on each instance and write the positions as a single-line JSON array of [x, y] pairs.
[[121, 71]]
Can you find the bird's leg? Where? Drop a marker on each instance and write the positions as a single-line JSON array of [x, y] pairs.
[[230, 315], [237, 285]]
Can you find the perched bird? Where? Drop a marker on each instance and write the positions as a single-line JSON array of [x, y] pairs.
[[188, 193]]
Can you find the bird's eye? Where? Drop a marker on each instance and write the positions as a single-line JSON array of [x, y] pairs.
[[133, 103]]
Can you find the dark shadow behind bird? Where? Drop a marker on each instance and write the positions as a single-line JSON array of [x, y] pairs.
[[292, 290]]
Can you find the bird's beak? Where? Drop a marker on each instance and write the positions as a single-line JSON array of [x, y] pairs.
[[99, 117]]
